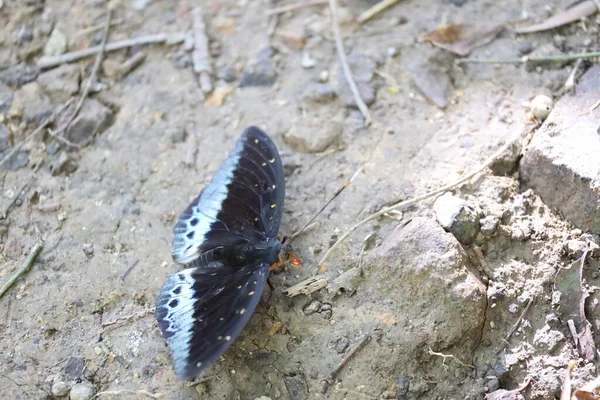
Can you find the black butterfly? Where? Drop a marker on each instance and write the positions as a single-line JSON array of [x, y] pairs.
[[227, 236]]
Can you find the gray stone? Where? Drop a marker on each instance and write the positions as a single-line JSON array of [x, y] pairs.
[[548, 338], [93, 119], [56, 44], [455, 216], [6, 97], [265, 357], [60, 83], [19, 74], [312, 308], [309, 135], [25, 34], [4, 137], [63, 165], [424, 258], [227, 74], [31, 103], [60, 389], [82, 391], [17, 161], [489, 224], [562, 163], [318, 93], [259, 71]]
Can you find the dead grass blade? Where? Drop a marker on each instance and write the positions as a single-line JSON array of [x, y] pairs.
[[572, 14]]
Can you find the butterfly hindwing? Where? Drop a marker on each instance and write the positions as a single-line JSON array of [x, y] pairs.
[[201, 311], [243, 201]]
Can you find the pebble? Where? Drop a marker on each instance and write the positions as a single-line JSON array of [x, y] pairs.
[[227, 74], [541, 106], [56, 44], [493, 384], [319, 93], [88, 249], [324, 76], [139, 5], [60, 389], [25, 34], [307, 60], [312, 308], [341, 345], [93, 119], [259, 71], [82, 391], [18, 161], [456, 217], [60, 83], [31, 103], [525, 47], [489, 225], [18, 75]]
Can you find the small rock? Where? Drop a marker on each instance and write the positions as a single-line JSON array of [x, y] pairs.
[[13, 249], [456, 217], [61, 216], [75, 365], [18, 75], [60, 83], [181, 59], [263, 398], [324, 76], [341, 345], [82, 391], [493, 384], [132, 208], [319, 93], [293, 36], [56, 44], [88, 249], [307, 61], [525, 48], [541, 106], [93, 119], [265, 357], [139, 5], [177, 134], [309, 135], [6, 97], [312, 308], [111, 67], [25, 34], [18, 161], [60, 389], [227, 74], [548, 338], [31, 103], [260, 71], [52, 148], [488, 225]]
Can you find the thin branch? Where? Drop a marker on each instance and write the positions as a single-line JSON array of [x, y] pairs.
[[120, 392], [515, 326], [88, 84], [411, 202], [339, 45], [363, 342], [53, 61], [24, 268], [295, 6], [376, 9], [532, 60], [444, 356]]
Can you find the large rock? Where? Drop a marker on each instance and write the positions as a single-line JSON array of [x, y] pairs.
[[419, 281], [562, 163], [309, 135], [93, 119], [31, 103]]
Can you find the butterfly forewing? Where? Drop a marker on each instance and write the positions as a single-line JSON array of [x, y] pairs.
[[201, 311], [242, 203]]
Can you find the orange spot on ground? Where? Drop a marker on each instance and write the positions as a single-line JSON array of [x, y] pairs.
[[388, 319], [322, 268]]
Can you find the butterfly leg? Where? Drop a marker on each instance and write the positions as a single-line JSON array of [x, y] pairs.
[[271, 290]]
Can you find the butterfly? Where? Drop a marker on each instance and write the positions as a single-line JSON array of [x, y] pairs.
[[227, 240]]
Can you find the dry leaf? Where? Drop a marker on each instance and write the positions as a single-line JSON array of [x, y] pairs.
[[571, 14], [461, 39], [589, 391]]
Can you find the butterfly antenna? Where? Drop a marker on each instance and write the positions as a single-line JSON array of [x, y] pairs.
[[310, 221]]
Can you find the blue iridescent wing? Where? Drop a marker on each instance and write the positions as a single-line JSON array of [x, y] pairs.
[[201, 311], [242, 203]]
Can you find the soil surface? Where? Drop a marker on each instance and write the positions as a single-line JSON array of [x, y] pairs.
[[432, 303]]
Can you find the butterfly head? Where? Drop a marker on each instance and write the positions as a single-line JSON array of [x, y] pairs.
[[286, 254]]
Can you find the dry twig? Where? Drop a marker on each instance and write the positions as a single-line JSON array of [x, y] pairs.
[[295, 6], [532, 60], [339, 45], [376, 9], [363, 342], [120, 392], [515, 326], [53, 61], [565, 393], [411, 202], [24, 268], [444, 356], [201, 55], [307, 286]]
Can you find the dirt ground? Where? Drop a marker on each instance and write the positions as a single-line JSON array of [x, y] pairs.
[[149, 143]]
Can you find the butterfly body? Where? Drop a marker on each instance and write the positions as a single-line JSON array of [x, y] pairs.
[[227, 240]]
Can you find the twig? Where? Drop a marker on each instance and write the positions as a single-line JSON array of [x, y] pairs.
[[20, 192], [410, 202], [96, 27], [53, 61], [295, 6], [201, 55], [533, 60], [24, 268], [376, 9], [339, 45], [307, 286], [444, 356], [299, 232], [126, 274], [138, 314], [88, 84], [119, 392], [514, 327], [565, 393], [131, 64], [363, 342]]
